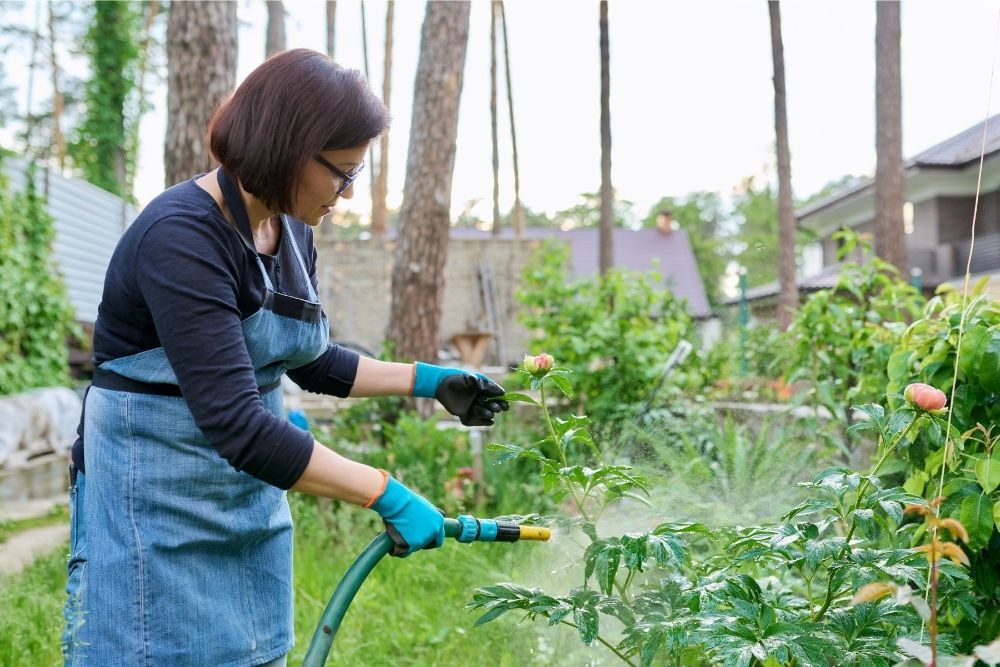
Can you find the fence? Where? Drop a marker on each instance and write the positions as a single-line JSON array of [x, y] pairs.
[[88, 223]]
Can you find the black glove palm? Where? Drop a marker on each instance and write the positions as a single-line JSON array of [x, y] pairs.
[[471, 398]]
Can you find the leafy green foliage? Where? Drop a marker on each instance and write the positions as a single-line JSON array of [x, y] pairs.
[[700, 214], [707, 464], [954, 331], [35, 315], [756, 213], [614, 333], [772, 594], [587, 213], [102, 149], [841, 339]]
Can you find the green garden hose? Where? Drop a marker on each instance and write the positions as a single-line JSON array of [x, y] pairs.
[[464, 529]]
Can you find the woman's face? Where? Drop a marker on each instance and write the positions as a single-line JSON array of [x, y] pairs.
[[316, 193]]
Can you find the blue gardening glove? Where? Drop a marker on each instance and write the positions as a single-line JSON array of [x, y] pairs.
[[410, 519], [469, 396]]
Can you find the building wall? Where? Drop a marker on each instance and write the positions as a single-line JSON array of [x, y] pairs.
[[937, 224], [355, 279], [955, 217]]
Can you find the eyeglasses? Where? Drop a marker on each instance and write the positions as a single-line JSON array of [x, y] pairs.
[[347, 179]]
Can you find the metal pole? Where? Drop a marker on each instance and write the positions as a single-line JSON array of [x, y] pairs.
[[744, 320]]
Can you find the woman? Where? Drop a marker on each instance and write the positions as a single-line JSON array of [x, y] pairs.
[[181, 543]]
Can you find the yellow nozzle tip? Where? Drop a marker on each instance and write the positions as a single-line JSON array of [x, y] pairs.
[[535, 533]]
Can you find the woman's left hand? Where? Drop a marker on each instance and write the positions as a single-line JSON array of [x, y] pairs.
[[472, 397]]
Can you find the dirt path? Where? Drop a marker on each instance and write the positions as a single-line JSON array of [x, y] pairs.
[[23, 547]]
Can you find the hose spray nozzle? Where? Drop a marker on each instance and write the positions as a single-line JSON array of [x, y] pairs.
[[468, 529]]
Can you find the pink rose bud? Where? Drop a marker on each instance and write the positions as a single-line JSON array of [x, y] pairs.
[[538, 365], [924, 397]]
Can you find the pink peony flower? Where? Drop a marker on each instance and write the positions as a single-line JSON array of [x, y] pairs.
[[924, 397]]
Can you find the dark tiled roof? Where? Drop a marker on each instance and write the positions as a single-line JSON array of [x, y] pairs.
[[635, 250], [825, 279], [962, 148], [954, 153]]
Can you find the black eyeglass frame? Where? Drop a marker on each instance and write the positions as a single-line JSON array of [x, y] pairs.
[[347, 179]]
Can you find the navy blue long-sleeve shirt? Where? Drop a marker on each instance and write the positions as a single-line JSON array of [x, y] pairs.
[[181, 278]]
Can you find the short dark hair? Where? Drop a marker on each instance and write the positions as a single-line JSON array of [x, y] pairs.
[[294, 105]]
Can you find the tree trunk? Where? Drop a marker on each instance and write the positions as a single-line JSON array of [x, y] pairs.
[[788, 294], [380, 212], [417, 278], [518, 217], [493, 118], [29, 117], [275, 28], [201, 71], [371, 149], [331, 24], [57, 98], [890, 235], [607, 193]]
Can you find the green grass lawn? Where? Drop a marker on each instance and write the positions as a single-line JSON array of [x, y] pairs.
[[31, 613], [410, 611]]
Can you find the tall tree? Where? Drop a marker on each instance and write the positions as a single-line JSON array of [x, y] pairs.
[[331, 25], [607, 193], [493, 118], [418, 274], [201, 71], [890, 235], [100, 150], [368, 76], [380, 210], [275, 28], [57, 97], [788, 293], [518, 213]]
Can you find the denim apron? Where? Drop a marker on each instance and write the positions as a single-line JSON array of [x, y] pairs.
[[177, 558]]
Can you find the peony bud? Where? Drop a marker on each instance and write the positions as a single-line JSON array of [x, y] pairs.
[[538, 365], [544, 361], [924, 397]]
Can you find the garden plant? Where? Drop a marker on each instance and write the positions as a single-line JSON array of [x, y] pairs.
[[794, 592]]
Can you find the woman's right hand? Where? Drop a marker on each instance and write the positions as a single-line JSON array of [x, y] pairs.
[[410, 519]]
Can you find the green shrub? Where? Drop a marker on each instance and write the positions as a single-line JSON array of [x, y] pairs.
[[614, 333], [35, 315], [790, 593], [841, 339], [966, 468]]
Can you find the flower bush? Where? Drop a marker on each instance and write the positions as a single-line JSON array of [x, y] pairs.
[[786, 593], [841, 338], [957, 341], [614, 332]]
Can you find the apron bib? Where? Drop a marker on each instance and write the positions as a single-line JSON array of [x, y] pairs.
[[176, 557]]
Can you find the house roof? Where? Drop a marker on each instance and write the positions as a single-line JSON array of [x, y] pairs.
[[825, 279], [961, 149], [956, 152], [635, 250]]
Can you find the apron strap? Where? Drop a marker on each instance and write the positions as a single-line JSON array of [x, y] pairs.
[[231, 194], [298, 256]]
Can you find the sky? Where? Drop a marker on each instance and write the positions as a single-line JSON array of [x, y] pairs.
[[691, 94]]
